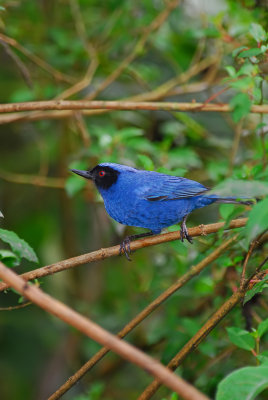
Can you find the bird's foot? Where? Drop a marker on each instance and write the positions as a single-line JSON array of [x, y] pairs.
[[125, 248], [184, 233]]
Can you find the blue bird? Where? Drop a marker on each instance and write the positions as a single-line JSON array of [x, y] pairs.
[[149, 199]]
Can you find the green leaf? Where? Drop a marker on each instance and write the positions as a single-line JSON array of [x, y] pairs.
[[238, 50], [19, 246], [8, 258], [263, 358], [129, 132], [258, 220], [243, 384], [241, 106], [145, 162], [243, 83], [74, 184], [257, 32], [241, 338], [258, 288], [231, 71], [263, 327], [250, 53], [1, 215], [226, 210]]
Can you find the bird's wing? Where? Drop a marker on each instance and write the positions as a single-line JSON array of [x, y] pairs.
[[171, 188]]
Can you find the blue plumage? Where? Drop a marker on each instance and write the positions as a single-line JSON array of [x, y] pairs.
[[148, 199]]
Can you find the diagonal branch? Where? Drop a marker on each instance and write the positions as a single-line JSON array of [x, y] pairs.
[[100, 335], [191, 273], [193, 343], [114, 251], [211, 323], [154, 25], [37, 60]]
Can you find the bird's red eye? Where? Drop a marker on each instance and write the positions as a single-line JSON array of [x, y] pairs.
[[101, 173]]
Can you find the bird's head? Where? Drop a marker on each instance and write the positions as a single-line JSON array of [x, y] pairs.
[[104, 175]]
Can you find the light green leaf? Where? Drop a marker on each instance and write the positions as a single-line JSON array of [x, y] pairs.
[[257, 32], [129, 132], [250, 53], [241, 338], [9, 258], [263, 358], [243, 83], [258, 288], [240, 104], [258, 220], [74, 184], [243, 384], [230, 70], [1, 215], [146, 162], [19, 246], [238, 50], [263, 327], [226, 210]]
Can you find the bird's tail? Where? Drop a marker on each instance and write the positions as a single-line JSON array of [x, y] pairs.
[[233, 200]]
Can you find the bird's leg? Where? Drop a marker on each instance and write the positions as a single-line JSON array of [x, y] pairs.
[[184, 231], [125, 245]]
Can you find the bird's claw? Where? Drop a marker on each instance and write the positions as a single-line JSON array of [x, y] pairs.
[[125, 248], [185, 235]]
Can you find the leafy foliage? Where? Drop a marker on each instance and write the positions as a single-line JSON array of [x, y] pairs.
[[19, 246], [245, 383], [215, 53]]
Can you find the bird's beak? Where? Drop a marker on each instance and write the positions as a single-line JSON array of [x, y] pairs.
[[84, 174]]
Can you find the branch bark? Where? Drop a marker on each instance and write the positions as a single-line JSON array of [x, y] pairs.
[[191, 273], [120, 105], [193, 343], [101, 254], [94, 331]]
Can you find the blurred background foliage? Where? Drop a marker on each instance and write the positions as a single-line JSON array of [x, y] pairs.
[[114, 50]]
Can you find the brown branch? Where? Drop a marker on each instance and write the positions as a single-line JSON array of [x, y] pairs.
[[17, 307], [114, 251], [211, 323], [120, 105], [100, 335], [192, 272], [36, 180], [37, 60], [21, 66], [154, 25], [160, 92], [193, 343]]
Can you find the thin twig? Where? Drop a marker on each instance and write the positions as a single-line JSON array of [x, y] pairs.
[[21, 66], [192, 272], [194, 342], [245, 263], [160, 92], [37, 60], [211, 323], [100, 335], [36, 180], [154, 25], [114, 251], [19, 306]]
